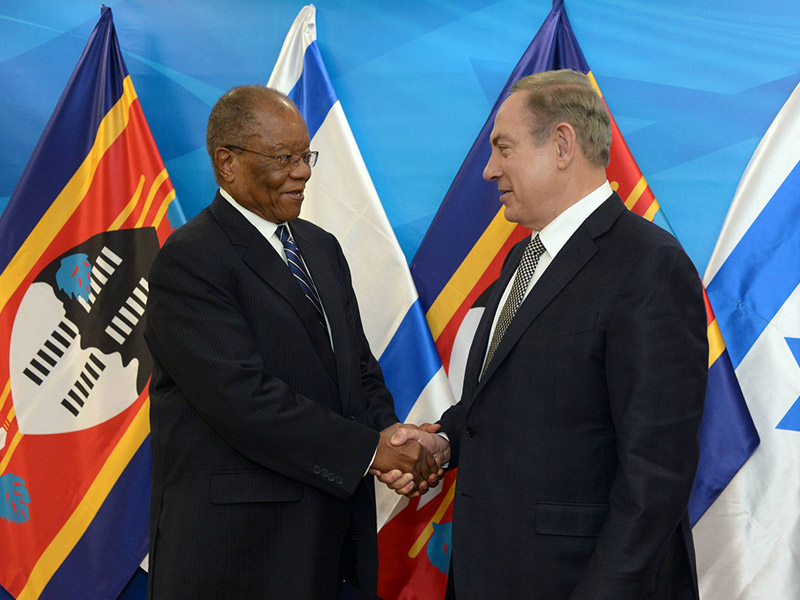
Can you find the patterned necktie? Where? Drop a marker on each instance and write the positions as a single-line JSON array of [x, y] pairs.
[[298, 269], [527, 266]]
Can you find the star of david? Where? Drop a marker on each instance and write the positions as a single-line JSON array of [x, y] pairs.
[[791, 420]]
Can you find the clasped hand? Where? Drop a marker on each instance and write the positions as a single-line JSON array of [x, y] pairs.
[[410, 458]]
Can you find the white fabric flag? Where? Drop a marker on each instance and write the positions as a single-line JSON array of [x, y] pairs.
[[748, 542]]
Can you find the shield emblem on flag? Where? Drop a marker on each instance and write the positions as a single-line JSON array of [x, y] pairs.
[[78, 356]]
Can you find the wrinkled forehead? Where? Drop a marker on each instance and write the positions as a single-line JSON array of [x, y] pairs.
[[281, 126], [513, 120]]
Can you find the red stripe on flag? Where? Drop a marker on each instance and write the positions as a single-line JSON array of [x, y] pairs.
[[398, 537], [58, 484], [114, 183], [58, 469], [710, 318], [623, 173]]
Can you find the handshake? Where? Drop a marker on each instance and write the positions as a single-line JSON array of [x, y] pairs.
[[409, 458]]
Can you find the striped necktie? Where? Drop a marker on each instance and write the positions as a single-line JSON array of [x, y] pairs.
[[527, 267], [298, 269]]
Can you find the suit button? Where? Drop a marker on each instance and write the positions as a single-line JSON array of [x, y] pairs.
[[331, 477], [316, 469], [471, 431], [339, 480], [324, 472]]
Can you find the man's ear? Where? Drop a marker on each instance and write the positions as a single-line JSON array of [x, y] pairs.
[[226, 162], [566, 144]]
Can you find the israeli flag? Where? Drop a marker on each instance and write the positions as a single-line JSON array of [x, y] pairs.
[[748, 542], [341, 198]]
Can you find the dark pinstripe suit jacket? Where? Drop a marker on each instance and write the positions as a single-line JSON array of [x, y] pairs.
[[578, 447], [260, 432]]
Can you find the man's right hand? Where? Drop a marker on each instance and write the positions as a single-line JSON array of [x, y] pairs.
[[408, 459], [404, 483]]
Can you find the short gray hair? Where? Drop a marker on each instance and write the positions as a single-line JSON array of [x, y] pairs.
[[232, 119], [568, 96]]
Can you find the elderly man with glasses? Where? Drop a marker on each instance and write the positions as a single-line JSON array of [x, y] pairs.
[[268, 408]]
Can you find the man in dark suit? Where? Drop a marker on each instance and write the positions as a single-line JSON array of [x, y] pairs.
[[576, 434], [267, 406]]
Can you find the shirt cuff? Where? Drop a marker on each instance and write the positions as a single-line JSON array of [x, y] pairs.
[[374, 454]]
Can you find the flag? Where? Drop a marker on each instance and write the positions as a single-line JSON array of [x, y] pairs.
[[747, 542], [341, 198], [76, 242], [461, 257]]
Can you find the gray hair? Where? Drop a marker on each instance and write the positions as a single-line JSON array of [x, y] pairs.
[[232, 120], [568, 96]]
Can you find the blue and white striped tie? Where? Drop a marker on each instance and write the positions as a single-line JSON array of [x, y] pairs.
[[298, 269]]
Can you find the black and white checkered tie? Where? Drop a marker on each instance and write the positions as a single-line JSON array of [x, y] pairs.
[[527, 266]]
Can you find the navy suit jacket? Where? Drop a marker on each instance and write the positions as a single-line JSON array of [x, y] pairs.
[[577, 448], [261, 432]]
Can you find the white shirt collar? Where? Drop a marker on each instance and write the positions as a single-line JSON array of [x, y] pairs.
[[266, 228], [560, 229]]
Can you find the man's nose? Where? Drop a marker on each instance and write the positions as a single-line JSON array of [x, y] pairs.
[[492, 169], [300, 170]]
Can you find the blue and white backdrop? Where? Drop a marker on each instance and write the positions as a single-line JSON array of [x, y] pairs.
[[693, 86]]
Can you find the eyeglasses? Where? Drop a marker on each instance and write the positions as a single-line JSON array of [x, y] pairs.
[[285, 161]]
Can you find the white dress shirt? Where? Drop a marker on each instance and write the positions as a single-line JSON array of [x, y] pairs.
[[266, 228], [553, 238]]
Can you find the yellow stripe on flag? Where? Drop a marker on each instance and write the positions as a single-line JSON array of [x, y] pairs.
[[636, 193], [437, 517], [10, 452], [129, 207], [161, 178], [72, 531], [69, 199], [7, 423], [468, 273], [716, 345], [650, 214], [162, 210], [593, 81], [4, 395]]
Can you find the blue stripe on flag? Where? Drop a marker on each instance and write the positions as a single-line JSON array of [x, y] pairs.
[[754, 282], [471, 203], [727, 436], [114, 522], [410, 360], [313, 93], [70, 133]]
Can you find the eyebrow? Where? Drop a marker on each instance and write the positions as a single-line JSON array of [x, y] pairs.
[[497, 138], [281, 148]]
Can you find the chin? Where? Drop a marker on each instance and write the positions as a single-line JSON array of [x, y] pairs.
[[508, 213], [290, 213]]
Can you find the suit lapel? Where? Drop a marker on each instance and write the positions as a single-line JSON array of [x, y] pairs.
[[575, 254], [261, 257], [477, 352]]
